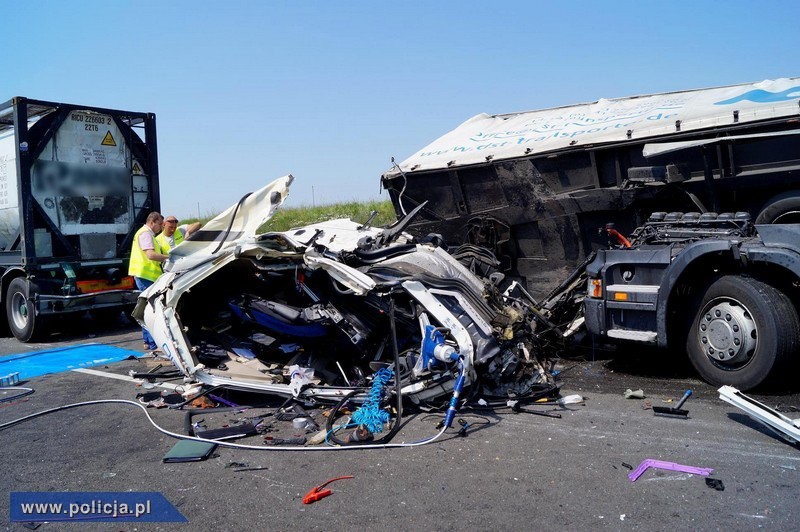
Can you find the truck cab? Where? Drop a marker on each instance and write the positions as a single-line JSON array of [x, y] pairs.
[[714, 285]]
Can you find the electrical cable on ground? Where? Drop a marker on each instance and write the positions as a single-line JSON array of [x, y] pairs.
[[418, 443], [25, 391]]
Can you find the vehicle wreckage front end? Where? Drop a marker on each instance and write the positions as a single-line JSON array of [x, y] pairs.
[[315, 312]]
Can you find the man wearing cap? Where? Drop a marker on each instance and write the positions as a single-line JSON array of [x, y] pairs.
[[172, 235], [145, 263]]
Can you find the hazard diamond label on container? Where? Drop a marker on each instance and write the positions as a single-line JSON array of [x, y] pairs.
[[108, 140]]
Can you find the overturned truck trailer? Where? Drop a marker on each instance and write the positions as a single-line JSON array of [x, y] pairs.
[[536, 187]]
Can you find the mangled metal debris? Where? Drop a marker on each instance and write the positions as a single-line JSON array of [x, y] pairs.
[[316, 313]]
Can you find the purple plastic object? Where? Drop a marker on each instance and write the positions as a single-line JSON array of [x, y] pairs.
[[669, 466], [221, 400]]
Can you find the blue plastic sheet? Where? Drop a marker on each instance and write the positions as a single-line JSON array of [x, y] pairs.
[[36, 363]]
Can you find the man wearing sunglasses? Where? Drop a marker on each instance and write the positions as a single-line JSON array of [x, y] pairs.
[[172, 234]]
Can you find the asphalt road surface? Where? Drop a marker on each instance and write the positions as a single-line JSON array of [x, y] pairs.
[[515, 472]]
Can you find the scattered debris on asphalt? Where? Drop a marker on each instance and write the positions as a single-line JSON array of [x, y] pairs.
[[633, 394], [318, 492], [189, 451], [674, 411]]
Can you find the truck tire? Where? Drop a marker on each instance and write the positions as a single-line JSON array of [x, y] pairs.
[[22, 320], [744, 332], [782, 209]]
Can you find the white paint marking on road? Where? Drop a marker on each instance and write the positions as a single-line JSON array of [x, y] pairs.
[[574, 432], [675, 477], [126, 378]]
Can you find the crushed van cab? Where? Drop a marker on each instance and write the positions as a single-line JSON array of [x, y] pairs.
[[315, 312]]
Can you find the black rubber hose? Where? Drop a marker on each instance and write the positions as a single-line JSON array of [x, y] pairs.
[[230, 224]]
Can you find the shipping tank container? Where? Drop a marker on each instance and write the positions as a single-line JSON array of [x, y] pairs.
[[76, 182]]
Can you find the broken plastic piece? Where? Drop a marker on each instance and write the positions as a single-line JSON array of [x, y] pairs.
[[669, 466], [12, 379], [227, 433], [300, 377], [787, 428], [318, 493], [570, 400]]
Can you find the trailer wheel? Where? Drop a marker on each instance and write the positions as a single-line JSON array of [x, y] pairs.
[[744, 332], [22, 320]]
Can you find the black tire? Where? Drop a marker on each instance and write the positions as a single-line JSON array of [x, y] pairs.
[[782, 209], [23, 322], [743, 333]]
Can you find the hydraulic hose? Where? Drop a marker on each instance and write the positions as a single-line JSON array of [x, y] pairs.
[[457, 389]]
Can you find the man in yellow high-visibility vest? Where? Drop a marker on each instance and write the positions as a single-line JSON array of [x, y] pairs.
[[145, 263], [172, 234]]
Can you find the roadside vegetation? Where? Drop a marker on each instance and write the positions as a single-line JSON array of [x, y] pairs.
[[288, 218]]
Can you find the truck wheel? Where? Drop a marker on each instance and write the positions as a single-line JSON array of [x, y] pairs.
[[782, 209], [22, 320], [744, 330]]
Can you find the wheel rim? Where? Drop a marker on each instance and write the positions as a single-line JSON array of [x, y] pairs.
[[19, 310], [727, 333], [789, 217]]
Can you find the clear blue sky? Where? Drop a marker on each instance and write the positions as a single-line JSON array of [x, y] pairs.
[[246, 92]]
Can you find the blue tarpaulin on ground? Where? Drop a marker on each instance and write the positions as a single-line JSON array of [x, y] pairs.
[[36, 363]]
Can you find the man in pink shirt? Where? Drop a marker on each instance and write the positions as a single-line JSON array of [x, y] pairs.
[[145, 262]]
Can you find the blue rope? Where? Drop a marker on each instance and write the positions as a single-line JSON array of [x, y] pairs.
[[370, 414]]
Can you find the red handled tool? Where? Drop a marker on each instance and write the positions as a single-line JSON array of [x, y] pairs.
[[318, 493]]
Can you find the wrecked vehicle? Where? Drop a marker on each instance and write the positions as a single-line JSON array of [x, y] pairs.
[[313, 313], [705, 183]]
